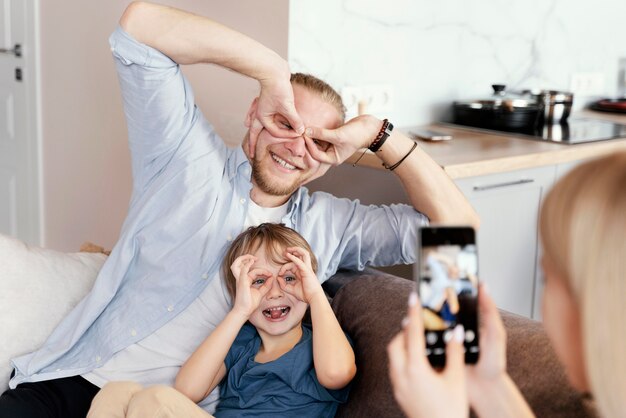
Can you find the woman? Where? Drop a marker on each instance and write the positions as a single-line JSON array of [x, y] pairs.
[[583, 231]]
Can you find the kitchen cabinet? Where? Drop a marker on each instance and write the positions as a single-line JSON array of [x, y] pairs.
[[508, 204]]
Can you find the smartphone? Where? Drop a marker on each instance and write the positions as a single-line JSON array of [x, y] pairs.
[[429, 135], [447, 280]]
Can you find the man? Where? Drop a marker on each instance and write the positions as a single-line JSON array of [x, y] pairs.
[[159, 294]]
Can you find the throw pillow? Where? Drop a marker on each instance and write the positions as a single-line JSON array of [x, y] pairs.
[[38, 287]]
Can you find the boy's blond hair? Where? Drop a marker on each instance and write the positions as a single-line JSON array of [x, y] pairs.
[[274, 238], [583, 230]]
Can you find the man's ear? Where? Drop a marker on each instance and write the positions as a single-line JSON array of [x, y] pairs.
[[251, 112]]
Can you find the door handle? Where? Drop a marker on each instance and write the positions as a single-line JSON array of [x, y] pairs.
[[498, 185], [16, 50]]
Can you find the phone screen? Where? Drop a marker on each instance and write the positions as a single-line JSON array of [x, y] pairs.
[[448, 289]]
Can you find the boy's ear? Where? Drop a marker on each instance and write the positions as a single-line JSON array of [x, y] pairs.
[[251, 112]]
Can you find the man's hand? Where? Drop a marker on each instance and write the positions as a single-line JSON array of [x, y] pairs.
[[252, 285], [297, 278], [276, 98], [344, 141]]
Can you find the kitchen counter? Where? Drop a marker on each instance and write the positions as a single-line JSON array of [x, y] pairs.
[[474, 153]]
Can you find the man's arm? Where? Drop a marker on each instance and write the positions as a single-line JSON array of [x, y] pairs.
[[430, 189], [190, 39]]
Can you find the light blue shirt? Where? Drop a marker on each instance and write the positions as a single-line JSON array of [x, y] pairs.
[[190, 195]]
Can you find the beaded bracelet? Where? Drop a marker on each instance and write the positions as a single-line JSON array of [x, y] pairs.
[[382, 136], [380, 139]]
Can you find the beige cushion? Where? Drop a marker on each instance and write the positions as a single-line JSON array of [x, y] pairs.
[[37, 289]]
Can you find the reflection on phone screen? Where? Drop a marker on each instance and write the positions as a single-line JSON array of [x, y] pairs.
[[448, 288]]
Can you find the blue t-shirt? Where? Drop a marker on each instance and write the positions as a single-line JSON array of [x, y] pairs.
[[285, 387]]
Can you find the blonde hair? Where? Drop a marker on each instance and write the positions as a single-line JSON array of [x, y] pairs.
[[274, 238], [583, 230], [323, 89]]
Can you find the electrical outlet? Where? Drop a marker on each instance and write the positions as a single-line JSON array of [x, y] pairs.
[[621, 78], [375, 99], [587, 84]]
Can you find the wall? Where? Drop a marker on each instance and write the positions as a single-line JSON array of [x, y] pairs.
[[433, 53], [86, 166]]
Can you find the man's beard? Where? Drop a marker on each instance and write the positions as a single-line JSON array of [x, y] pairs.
[[264, 182]]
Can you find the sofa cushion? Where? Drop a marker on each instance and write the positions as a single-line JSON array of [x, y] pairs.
[[370, 307], [37, 289]]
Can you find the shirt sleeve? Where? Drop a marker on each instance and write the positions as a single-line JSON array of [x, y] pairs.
[[241, 345], [356, 235], [158, 102]]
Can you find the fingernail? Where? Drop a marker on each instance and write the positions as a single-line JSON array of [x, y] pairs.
[[413, 299], [459, 333], [405, 322], [309, 131]]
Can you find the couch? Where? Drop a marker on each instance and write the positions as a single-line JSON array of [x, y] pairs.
[[39, 286]]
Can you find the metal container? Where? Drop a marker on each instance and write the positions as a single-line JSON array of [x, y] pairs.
[[502, 111], [557, 105]]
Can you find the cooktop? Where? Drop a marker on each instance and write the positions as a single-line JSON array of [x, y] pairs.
[[574, 131]]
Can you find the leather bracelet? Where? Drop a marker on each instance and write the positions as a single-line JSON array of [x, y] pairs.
[[382, 136], [393, 167]]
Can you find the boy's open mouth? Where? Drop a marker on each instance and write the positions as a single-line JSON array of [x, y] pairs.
[[276, 312]]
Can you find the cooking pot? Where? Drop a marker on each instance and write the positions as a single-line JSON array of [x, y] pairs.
[[557, 105], [502, 111]]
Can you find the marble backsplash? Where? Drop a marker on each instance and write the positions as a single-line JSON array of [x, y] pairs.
[[434, 52]]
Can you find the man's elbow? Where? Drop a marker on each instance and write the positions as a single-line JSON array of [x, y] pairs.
[[136, 16], [337, 378]]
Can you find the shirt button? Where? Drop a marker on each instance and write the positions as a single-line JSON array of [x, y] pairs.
[[58, 370], [170, 308], [242, 200], [229, 238], [205, 276], [98, 358], [112, 49], [133, 332]]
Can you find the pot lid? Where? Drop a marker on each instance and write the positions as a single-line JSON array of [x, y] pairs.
[[501, 99]]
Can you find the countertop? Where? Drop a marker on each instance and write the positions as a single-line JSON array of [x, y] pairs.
[[475, 153]]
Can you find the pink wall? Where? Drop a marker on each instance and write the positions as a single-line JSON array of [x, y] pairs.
[[86, 172]]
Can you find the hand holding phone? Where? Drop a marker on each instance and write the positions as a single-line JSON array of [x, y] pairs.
[[447, 278]]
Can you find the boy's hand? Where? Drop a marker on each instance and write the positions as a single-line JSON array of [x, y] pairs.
[[303, 283], [252, 285]]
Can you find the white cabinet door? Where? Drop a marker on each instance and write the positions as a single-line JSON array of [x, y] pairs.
[[508, 205]]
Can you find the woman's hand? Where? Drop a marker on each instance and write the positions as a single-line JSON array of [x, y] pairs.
[[297, 277], [491, 366], [252, 285], [421, 390], [344, 141]]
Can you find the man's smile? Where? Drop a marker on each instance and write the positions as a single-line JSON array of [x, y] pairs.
[[283, 163]]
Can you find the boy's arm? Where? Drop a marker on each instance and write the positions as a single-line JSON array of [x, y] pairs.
[[333, 356], [205, 368]]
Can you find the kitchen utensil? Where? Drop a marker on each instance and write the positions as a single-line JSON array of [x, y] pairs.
[[610, 105], [557, 105], [502, 111]]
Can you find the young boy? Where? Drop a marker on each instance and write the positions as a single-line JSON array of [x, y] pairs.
[[274, 365]]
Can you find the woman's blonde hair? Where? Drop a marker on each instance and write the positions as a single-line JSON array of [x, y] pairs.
[[583, 230], [274, 238]]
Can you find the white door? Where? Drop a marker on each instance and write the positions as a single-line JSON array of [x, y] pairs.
[[19, 165]]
